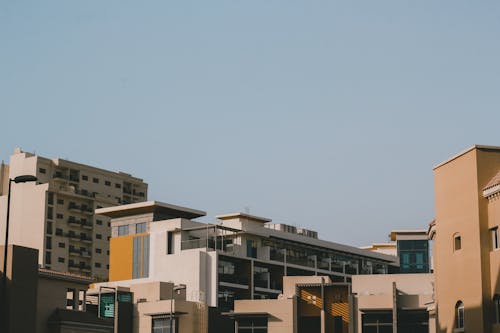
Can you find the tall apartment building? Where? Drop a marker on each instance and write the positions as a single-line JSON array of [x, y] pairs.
[[240, 256], [56, 214], [466, 241]]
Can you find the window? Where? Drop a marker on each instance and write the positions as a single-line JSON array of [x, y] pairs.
[[59, 216], [496, 301], [494, 238], [252, 325], [42, 170], [459, 315], [98, 222], [84, 177], [95, 180], [118, 185], [163, 325], [60, 201], [50, 212], [170, 242], [49, 227], [70, 295], [457, 242], [140, 228], [59, 232], [251, 248], [98, 236], [107, 183], [48, 258], [122, 230], [97, 250], [50, 198], [97, 265], [48, 243], [60, 259]]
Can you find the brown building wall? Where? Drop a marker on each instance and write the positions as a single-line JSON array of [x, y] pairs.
[[461, 210]]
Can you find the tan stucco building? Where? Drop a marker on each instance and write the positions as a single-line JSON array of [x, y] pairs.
[[56, 214], [466, 241]]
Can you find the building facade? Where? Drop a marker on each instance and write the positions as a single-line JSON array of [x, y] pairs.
[[56, 214], [466, 243], [240, 256]]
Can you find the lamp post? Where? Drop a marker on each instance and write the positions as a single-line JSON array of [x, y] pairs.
[[5, 308], [171, 316]]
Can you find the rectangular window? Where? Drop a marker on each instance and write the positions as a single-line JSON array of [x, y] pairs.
[[49, 227], [70, 296], [97, 265], [140, 228], [85, 177], [494, 238], [457, 243], [48, 243], [118, 185], [60, 259], [140, 257], [164, 325], [48, 258], [251, 248], [60, 201], [107, 183], [51, 198], [59, 232], [42, 170], [97, 250], [59, 216], [95, 180], [50, 213], [62, 245], [98, 236], [170, 242], [123, 230], [98, 222]]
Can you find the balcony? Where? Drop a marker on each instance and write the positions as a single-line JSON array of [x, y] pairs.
[[233, 278], [74, 207], [86, 225], [72, 235], [85, 238], [197, 244], [85, 254], [127, 190], [73, 221]]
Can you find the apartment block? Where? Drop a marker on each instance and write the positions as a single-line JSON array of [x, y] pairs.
[[239, 256], [466, 242], [56, 214]]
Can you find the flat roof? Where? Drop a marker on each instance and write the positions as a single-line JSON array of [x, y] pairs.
[[150, 207], [243, 216], [417, 232], [465, 152]]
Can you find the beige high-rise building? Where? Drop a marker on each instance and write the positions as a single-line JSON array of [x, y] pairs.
[[56, 214], [466, 241]]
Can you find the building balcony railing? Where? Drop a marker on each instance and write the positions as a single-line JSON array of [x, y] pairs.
[[301, 261], [87, 239], [233, 278], [197, 244], [127, 190]]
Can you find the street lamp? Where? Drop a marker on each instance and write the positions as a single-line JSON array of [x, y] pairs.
[[18, 179], [171, 316]]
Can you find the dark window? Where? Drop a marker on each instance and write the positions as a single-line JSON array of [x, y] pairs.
[[457, 242], [251, 248], [50, 212], [50, 198], [459, 315], [97, 250], [98, 236], [49, 227], [377, 322], [42, 170], [107, 183], [60, 201], [48, 258], [107, 266], [494, 238], [59, 232], [48, 243], [85, 177], [59, 216], [170, 242], [98, 222], [496, 301], [60, 259], [62, 245], [118, 185], [95, 180], [97, 265], [107, 252]]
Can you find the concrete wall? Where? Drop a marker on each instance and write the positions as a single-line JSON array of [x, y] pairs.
[[281, 313]]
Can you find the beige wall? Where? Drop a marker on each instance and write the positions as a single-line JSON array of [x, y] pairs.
[[466, 274], [281, 313]]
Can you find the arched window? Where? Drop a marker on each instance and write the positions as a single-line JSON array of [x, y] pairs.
[[496, 302], [459, 315]]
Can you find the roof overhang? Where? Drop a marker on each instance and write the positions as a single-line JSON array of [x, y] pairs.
[[150, 207]]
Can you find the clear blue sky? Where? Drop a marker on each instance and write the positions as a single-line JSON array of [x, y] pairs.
[[324, 114]]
